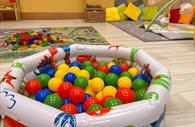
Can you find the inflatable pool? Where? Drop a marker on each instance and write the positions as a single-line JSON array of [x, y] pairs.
[[18, 110]]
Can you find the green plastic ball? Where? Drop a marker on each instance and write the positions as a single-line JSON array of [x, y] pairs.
[[90, 69], [100, 74], [139, 95], [53, 100], [111, 79], [112, 102], [81, 82], [43, 79], [87, 63], [139, 84], [32, 97], [94, 107], [127, 74], [101, 63]]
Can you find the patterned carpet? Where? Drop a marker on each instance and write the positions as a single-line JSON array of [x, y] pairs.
[[80, 35]]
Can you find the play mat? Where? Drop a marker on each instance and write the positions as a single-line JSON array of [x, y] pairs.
[[50, 37], [174, 31]]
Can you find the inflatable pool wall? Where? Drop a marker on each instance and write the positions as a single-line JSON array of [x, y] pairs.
[[21, 111]]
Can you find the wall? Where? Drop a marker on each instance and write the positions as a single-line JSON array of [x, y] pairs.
[[57, 9]]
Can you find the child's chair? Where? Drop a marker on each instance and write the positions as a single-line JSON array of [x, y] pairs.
[[10, 6]]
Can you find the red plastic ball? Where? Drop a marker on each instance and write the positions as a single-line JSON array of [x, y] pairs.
[[69, 108], [102, 102], [76, 95], [125, 95], [124, 66], [90, 101], [33, 86], [64, 89], [95, 64], [103, 68]]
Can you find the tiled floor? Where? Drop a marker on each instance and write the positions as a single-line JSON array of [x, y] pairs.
[[178, 56]]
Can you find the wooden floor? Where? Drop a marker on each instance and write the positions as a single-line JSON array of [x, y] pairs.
[[178, 56]]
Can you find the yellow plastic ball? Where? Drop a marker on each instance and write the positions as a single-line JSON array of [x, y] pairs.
[[124, 82], [89, 91], [84, 73], [134, 71], [109, 91], [54, 83], [33, 46], [60, 74], [99, 95], [110, 64], [74, 70], [97, 84], [63, 67]]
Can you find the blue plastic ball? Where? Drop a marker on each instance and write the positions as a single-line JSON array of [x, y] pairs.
[[65, 101], [70, 77], [87, 96], [80, 108], [115, 69], [77, 64], [50, 72], [42, 94], [141, 76]]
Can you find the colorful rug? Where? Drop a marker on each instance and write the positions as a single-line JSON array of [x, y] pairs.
[[80, 35]]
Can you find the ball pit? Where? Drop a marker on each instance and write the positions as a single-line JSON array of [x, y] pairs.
[[76, 89]]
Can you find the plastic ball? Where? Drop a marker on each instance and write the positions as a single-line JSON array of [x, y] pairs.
[[87, 96], [97, 84], [102, 63], [109, 91], [100, 74], [63, 67], [54, 83], [94, 107], [125, 95], [77, 64], [64, 89], [74, 70], [124, 82], [127, 74], [65, 101], [33, 86], [124, 66], [50, 72], [141, 76], [81, 82], [104, 99], [43, 79], [53, 100], [60, 74], [99, 95], [88, 90], [133, 71], [84, 73], [90, 101], [91, 70], [110, 64], [139, 84], [139, 95], [70, 77], [111, 79], [80, 108], [69, 108], [87, 63], [116, 69], [76, 95], [42, 94], [112, 102], [103, 68]]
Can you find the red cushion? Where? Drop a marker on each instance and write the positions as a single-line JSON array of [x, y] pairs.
[[174, 15]]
